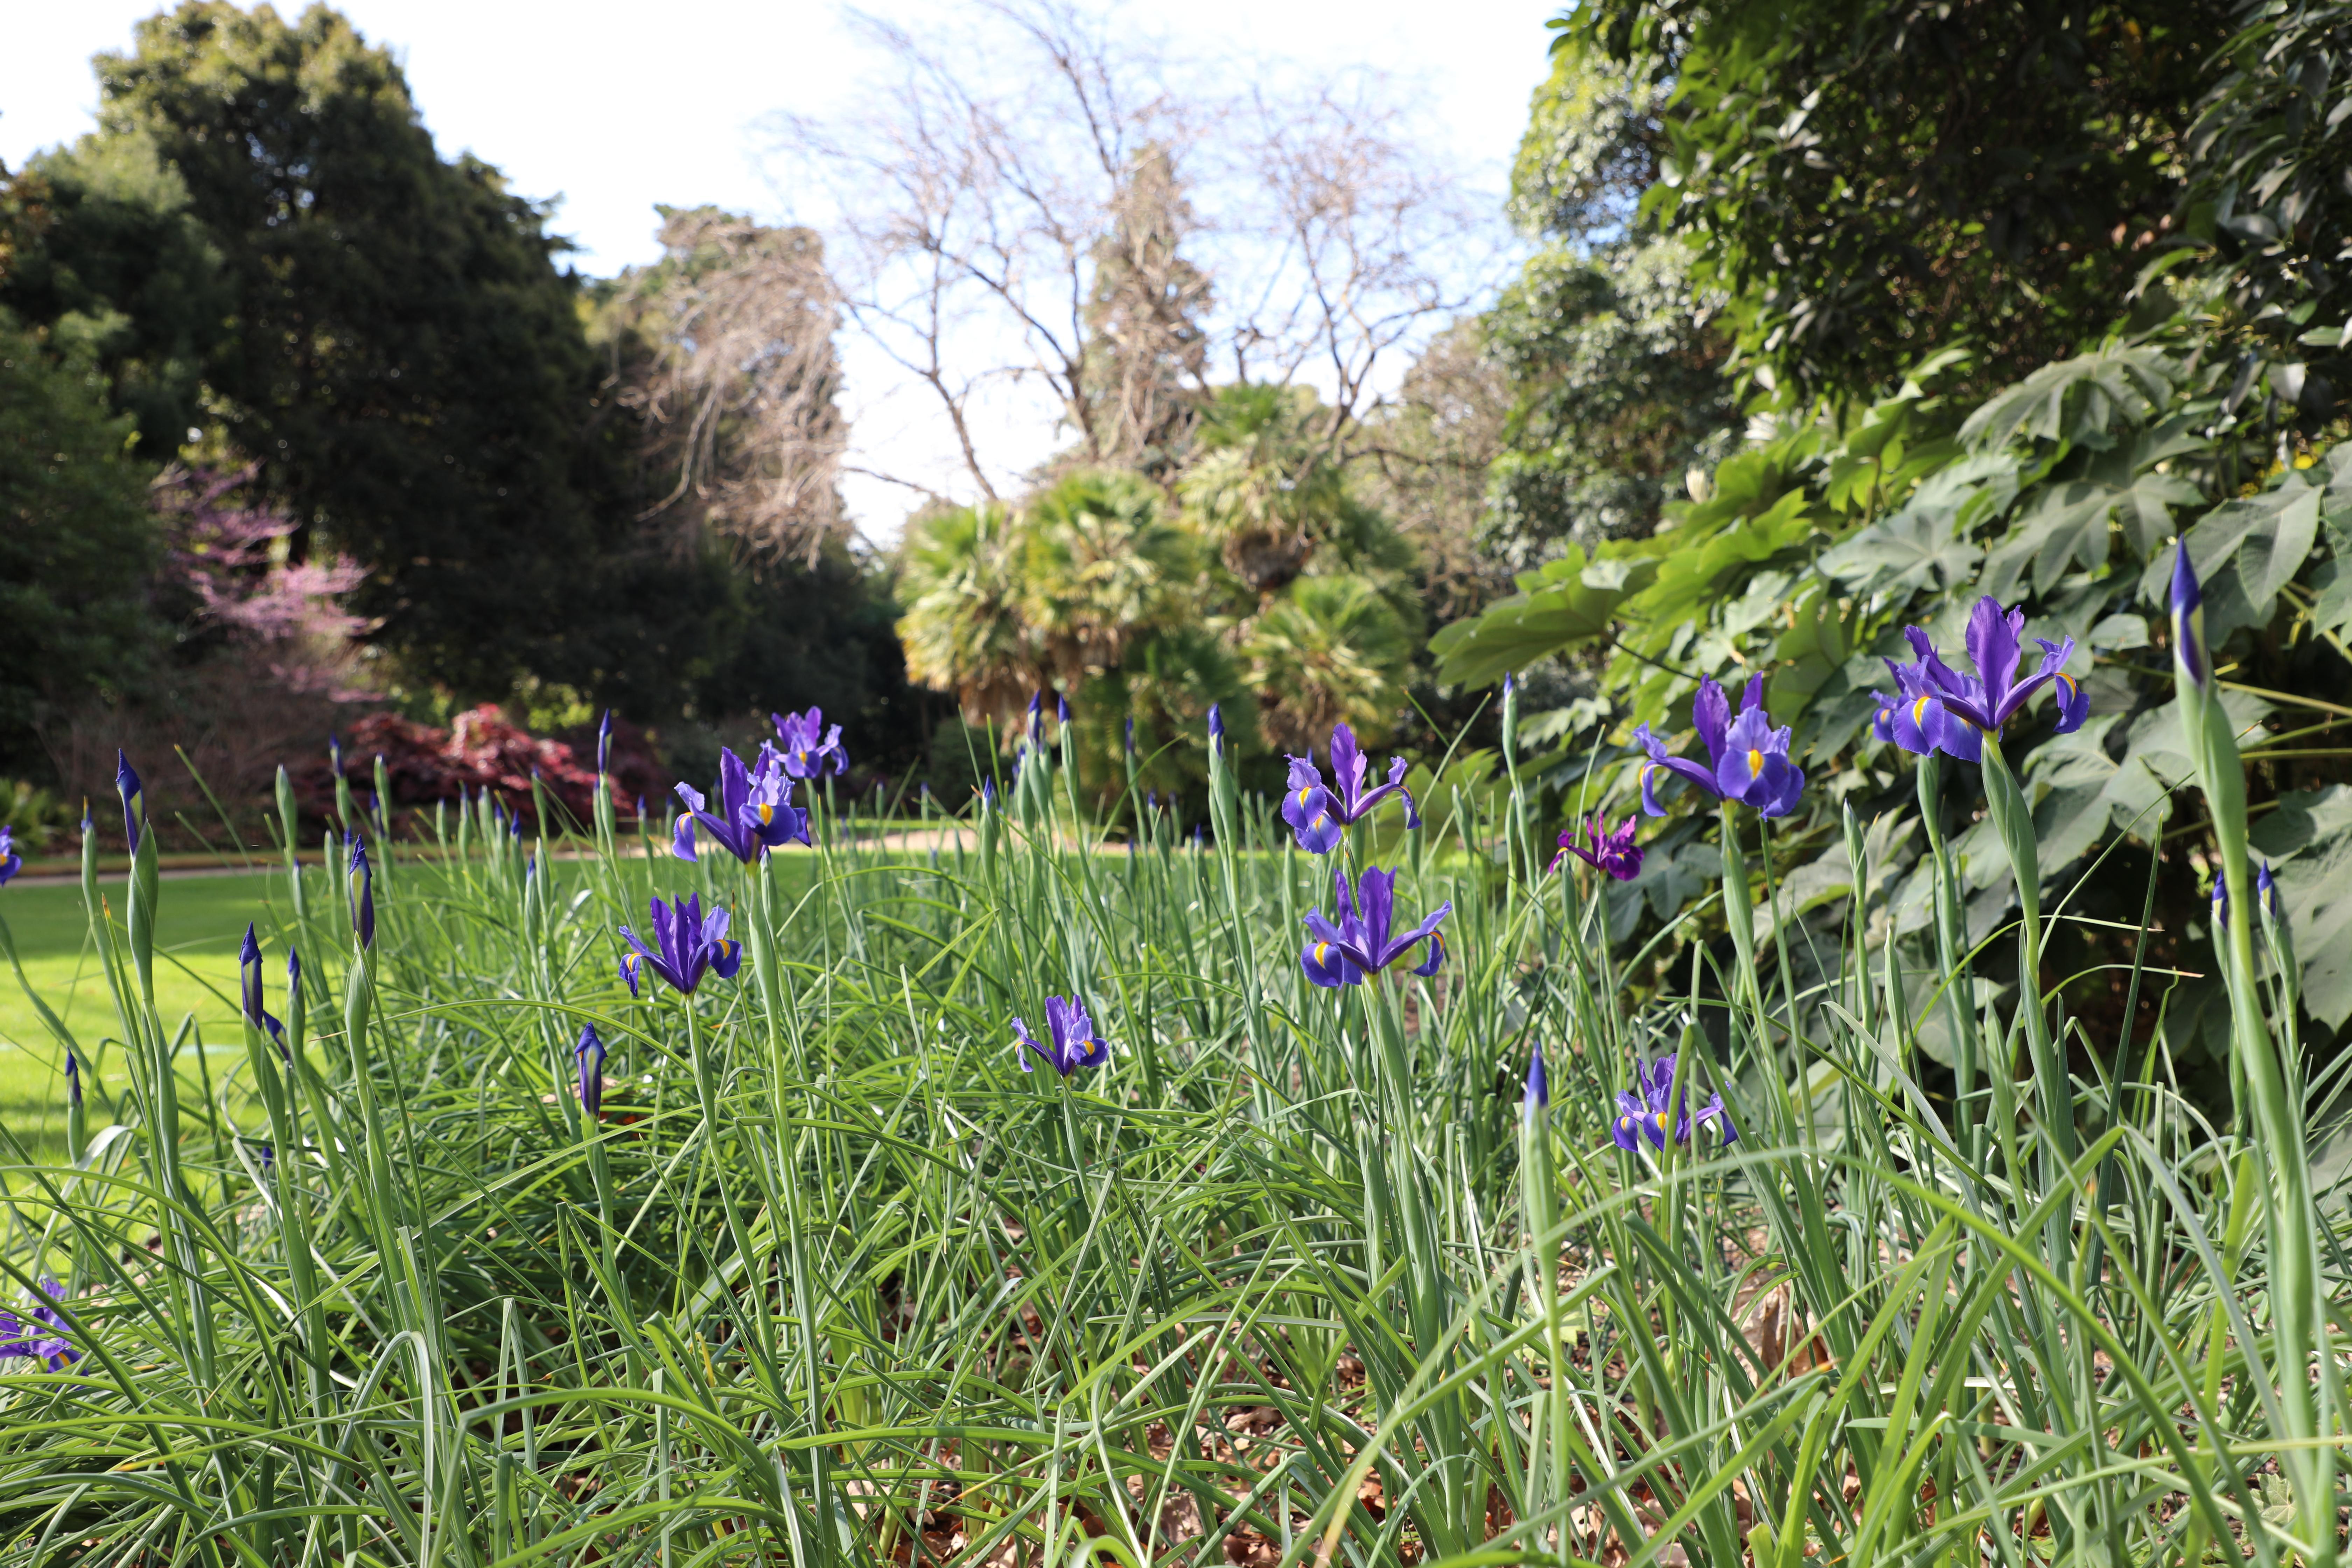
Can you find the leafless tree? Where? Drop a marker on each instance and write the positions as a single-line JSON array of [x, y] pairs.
[[1355, 246], [736, 381], [1042, 198]]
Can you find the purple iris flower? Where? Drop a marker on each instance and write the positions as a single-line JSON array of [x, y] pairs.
[[73, 1077], [10, 861], [359, 885], [2188, 616], [248, 972], [1601, 848], [1131, 734], [1216, 728], [1748, 759], [750, 811], [41, 1336], [811, 751], [1317, 815], [590, 1052], [632, 973], [1036, 716], [126, 783], [687, 942], [604, 742], [1538, 1093], [1061, 708], [1310, 809], [1936, 707], [1074, 1044], [1360, 942], [1651, 1112]]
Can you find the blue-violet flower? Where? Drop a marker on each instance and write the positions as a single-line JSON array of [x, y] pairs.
[[1936, 707], [1075, 1043], [1748, 759], [687, 943], [811, 751], [591, 1053], [1650, 1114], [746, 813], [1360, 942], [1317, 815]]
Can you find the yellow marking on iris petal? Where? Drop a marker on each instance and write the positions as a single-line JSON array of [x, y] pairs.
[[1322, 951], [1661, 1120], [767, 813], [1919, 710], [1320, 819], [2066, 684], [1304, 794], [1755, 762]]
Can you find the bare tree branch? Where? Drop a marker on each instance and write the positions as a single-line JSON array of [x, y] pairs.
[[1035, 198]]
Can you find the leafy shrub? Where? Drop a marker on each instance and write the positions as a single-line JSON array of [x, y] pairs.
[[2063, 493], [480, 753]]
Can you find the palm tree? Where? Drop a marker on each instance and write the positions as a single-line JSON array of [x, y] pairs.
[[1100, 568], [1330, 648], [964, 628]]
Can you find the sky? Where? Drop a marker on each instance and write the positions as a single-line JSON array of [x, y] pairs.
[[615, 107]]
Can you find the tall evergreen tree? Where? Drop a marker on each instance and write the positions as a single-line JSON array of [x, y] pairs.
[[398, 346], [76, 545]]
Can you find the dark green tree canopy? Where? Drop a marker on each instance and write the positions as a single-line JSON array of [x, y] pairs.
[[397, 346], [1613, 350], [75, 543], [1871, 180], [97, 243]]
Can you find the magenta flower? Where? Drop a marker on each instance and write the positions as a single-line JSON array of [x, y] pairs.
[[809, 750], [1603, 850], [688, 943], [10, 861], [1936, 707], [1649, 1113], [1748, 759], [1074, 1045], [1360, 942]]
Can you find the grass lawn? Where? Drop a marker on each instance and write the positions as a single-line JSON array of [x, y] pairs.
[[202, 920], [197, 937]]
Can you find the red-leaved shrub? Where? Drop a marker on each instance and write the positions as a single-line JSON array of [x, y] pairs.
[[480, 752]]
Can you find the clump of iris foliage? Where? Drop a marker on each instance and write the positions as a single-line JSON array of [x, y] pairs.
[[1343, 1210]]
